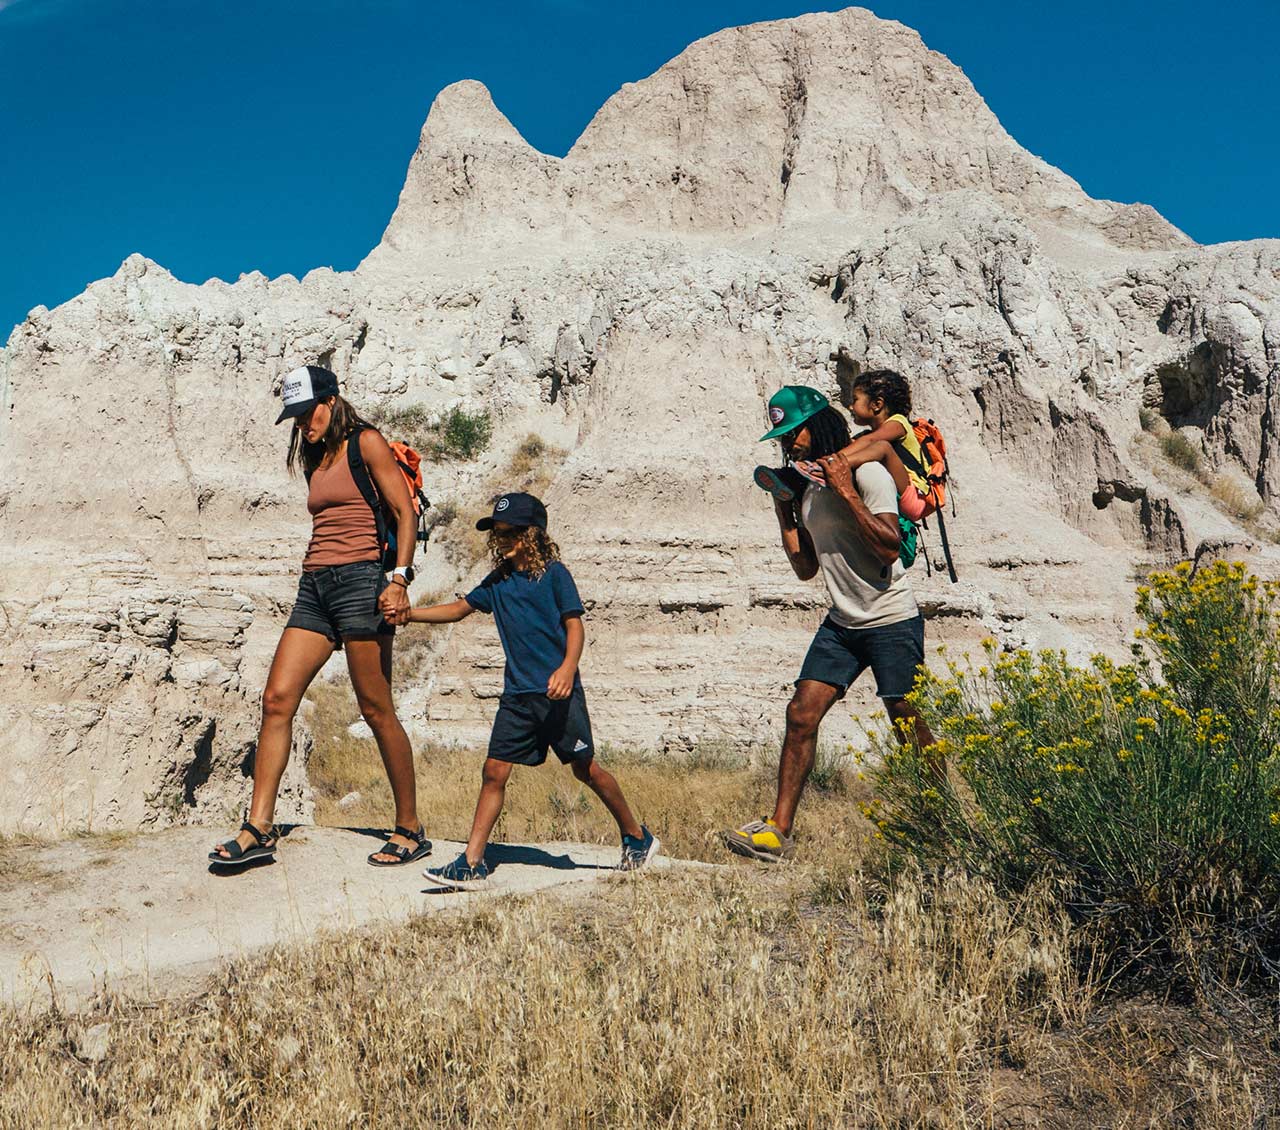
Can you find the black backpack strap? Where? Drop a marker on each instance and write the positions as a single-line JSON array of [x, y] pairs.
[[365, 485], [946, 546], [910, 461]]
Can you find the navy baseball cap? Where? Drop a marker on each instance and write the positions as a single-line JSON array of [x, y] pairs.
[[517, 509], [304, 388]]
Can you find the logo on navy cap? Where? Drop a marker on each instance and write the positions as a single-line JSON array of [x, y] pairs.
[[503, 503]]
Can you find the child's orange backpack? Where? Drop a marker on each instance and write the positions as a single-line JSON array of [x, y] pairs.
[[932, 467], [934, 450]]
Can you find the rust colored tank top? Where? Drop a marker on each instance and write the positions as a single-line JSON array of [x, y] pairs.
[[342, 525]]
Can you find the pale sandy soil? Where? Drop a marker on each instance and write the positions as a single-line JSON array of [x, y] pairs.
[[146, 913]]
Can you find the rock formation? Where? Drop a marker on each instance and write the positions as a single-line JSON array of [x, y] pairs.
[[786, 202]]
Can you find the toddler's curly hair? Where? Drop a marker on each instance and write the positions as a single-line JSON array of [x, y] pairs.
[[886, 385]]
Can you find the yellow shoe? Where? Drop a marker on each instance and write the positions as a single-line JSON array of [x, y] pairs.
[[761, 839]]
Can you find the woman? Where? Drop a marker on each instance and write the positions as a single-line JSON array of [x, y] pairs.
[[337, 607]]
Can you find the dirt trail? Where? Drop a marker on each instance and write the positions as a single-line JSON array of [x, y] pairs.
[[146, 913]]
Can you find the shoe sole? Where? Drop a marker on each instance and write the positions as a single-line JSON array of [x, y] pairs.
[[240, 861], [648, 855], [749, 851], [767, 480], [458, 884]]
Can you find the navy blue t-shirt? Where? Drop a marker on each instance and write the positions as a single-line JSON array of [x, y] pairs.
[[529, 618]]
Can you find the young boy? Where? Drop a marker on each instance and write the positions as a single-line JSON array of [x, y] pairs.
[[539, 616]]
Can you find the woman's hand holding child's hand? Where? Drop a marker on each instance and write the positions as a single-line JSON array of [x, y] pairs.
[[560, 685], [394, 604]]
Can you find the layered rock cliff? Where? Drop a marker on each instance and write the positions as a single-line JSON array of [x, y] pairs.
[[782, 203]]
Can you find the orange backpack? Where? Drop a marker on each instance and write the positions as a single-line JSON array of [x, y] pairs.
[[933, 448], [410, 464], [932, 467]]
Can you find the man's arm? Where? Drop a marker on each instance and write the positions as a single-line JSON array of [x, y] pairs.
[[879, 531], [796, 541]]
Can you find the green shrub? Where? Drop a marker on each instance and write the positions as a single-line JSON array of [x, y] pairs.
[[463, 434], [1148, 418], [458, 434], [1148, 792], [1180, 451]]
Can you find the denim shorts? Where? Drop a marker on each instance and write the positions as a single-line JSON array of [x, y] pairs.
[[528, 723], [340, 601], [894, 653]]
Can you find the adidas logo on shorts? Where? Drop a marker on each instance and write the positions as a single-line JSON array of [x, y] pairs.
[[580, 745]]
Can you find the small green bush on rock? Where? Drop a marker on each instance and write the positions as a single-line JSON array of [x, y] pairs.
[[1181, 452], [463, 434], [1148, 792], [458, 434]]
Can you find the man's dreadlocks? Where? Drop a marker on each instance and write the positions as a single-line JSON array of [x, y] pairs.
[[828, 432]]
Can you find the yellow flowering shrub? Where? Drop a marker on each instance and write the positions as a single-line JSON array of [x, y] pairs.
[[1150, 790]]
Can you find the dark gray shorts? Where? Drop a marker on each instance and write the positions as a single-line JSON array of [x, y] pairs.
[[341, 601], [528, 723], [894, 652]]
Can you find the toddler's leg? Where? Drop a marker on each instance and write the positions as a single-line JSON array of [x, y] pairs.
[[601, 782], [493, 789]]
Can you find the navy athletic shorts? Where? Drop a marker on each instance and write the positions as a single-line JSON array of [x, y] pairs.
[[894, 653], [528, 723], [341, 601]]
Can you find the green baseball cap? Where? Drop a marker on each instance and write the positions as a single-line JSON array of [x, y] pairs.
[[790, 407]]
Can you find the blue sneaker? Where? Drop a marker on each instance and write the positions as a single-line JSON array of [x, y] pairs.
[[637, 852], [460, 874]]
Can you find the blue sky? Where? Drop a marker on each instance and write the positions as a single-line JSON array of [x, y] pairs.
[[273, 135]]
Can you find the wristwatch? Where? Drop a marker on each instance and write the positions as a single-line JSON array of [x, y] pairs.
[[405, 571]]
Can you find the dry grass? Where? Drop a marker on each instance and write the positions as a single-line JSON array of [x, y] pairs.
[[1229, 490], [801, 996], [731, 999], [1236, 495]]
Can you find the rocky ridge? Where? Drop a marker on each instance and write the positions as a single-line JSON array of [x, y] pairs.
[[782, 203]]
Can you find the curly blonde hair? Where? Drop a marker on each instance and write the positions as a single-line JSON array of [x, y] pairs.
[[538, 549]]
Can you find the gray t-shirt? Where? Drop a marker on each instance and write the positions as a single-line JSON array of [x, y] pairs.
[[864, 593]]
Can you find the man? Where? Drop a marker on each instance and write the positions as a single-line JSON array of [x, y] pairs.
[[847, 528]]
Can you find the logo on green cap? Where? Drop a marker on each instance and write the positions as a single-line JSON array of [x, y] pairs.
[[790, 407]]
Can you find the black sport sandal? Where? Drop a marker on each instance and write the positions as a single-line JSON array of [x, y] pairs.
[[402, 853], [263, 848]]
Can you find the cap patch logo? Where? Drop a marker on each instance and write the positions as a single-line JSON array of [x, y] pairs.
[[503, 503], [776, 415], [297, 386]]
